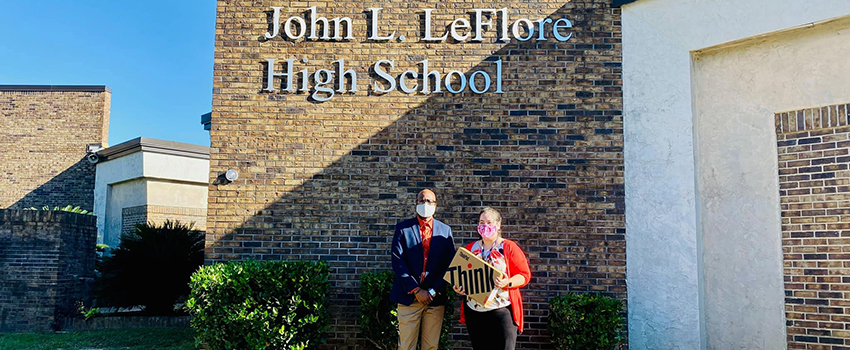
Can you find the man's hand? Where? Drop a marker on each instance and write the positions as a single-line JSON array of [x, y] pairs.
[[423, 296]]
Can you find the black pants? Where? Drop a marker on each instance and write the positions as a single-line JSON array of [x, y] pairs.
[[491, 330]]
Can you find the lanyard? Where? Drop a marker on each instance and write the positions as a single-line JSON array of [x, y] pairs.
[[486, 257]]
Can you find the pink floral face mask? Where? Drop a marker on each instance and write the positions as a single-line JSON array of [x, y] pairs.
[[487, 230]]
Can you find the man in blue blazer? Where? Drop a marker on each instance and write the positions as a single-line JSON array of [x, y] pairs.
[[422, 251]]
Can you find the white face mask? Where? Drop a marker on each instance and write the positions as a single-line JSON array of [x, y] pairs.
[[426, 210]]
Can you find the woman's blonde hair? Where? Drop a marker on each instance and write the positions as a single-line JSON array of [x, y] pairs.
[[493, 212]]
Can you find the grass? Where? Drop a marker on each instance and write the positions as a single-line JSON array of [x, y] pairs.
[[109, 339]]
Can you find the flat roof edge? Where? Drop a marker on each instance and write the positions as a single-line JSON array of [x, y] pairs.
[[146, 144], [56, 88]]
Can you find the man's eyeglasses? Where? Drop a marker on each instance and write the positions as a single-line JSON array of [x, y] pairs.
[[426, 201]]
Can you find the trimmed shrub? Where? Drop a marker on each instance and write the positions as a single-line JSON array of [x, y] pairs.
[[260, 304], [585, 321], [445, 338], [151, 267], [379, 315]]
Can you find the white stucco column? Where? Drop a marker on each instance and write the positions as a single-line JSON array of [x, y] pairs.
[[661, 247]]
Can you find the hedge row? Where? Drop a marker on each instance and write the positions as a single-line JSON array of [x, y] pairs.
[[282, 305], [260, 305]]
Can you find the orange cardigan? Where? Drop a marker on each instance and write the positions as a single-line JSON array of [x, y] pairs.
[[517, 265]]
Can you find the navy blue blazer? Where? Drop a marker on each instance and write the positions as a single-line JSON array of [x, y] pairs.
[[407, 259]]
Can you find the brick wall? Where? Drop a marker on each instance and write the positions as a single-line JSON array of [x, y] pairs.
[[131, 216], [330, 180], [814, 180], [46, 265], [157, 214], [44, 132]]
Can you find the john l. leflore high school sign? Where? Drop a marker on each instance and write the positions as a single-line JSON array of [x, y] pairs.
[[342, 79]]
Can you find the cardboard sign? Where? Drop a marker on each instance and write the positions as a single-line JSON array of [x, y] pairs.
[[473, 274]]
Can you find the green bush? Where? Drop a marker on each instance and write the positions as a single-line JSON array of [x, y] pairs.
[[445, 339], [379, 316], [151, 267], [585, 321], [260, 304]]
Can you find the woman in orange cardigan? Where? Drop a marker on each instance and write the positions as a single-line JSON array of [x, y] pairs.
[[494, 325]]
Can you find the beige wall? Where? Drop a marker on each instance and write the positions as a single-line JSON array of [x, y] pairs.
[[176, 194], [151, 192], [119, 196], [737, 90], [164, 181], [789, 70], [668, 192], [176, 168]]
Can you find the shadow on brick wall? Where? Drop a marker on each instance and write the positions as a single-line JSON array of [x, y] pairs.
[[73, 186], [46, 265], [551, 162]]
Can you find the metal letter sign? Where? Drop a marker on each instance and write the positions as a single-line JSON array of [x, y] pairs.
[[323, 84], [473, 274]]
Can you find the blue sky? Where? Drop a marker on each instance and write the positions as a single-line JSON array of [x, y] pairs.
[[156, 56]]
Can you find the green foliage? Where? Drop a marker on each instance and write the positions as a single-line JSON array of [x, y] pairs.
[[151, 267], [67, 208], [379, 316], [585, 321], [445, 340], [88, 313], [260, 304]]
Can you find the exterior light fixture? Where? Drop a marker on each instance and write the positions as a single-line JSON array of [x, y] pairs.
[[231, 175]]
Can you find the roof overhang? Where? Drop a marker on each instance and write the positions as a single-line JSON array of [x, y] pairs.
[[146, 144]]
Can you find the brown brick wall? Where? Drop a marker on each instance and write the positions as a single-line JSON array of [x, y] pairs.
[[46, 266], [157, 214], [131, 216], [330, 180], [814, 181], [43, 139]]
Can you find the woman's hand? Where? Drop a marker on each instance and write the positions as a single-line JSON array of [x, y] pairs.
[[459, 289], [502, 282], [505, 282]]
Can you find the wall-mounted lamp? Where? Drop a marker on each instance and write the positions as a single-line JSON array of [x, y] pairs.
[[229, 176]]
